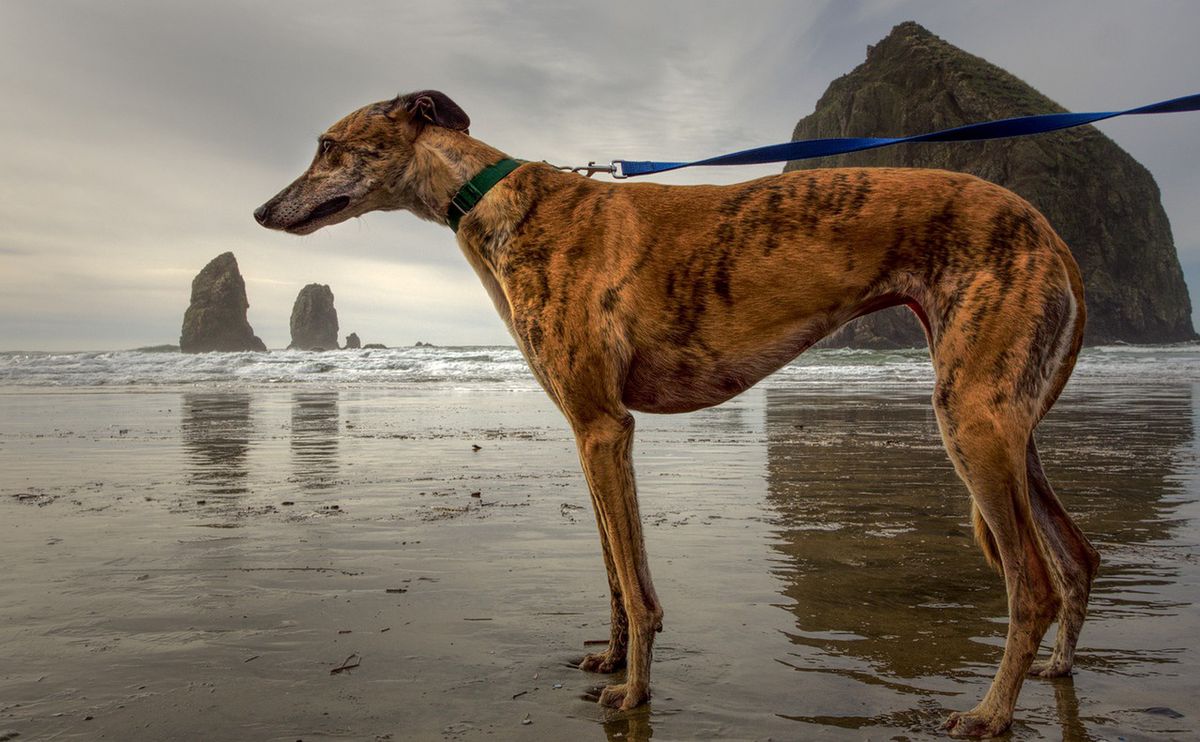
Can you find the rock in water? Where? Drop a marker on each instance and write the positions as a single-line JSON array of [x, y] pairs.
[[216, 317], [1100, 200], [314, 320], [352, 341]]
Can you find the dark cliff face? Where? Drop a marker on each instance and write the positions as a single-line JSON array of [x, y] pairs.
[[1100, 200], [314, 320], [216, 317]]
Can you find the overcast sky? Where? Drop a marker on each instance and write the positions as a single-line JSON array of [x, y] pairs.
[[137, 137]]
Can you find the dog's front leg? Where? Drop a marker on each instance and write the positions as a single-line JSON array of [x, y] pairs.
[[612, 658], [605, 449]]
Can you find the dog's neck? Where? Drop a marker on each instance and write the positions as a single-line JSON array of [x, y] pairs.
[[443, 161]]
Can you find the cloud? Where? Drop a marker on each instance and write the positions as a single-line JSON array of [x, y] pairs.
[[139, 135]]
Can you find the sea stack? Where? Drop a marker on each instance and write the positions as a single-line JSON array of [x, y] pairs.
[[216, 317], [314, 320], [352, 342], [1101, 201]]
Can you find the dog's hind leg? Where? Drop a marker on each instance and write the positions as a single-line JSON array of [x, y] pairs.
[[994, 360], [987, 448], [605, 442], [1072, 561], [1073, 565]]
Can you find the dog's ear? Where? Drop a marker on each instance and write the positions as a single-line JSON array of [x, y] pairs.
[[435, 107]]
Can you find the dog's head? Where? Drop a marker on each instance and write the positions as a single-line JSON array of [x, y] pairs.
[[361, 164]]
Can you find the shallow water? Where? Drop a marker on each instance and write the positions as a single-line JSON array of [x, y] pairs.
[[809, 542], [475, 368]]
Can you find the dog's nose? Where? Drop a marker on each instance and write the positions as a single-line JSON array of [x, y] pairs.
[[260, 215]]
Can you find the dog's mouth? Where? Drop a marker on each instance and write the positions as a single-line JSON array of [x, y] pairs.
[[327, 209]]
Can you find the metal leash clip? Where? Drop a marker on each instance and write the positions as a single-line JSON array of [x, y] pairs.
[[612, 168]]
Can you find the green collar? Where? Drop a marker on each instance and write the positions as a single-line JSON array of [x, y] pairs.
[[474, 189]]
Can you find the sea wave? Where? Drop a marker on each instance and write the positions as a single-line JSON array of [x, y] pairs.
[[504, 366]]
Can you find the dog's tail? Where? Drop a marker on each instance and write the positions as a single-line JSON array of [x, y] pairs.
[[985, 539]]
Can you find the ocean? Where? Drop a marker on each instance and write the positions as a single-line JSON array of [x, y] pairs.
[[503, 367]]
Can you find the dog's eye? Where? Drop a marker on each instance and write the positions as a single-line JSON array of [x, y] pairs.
[[326, 145]]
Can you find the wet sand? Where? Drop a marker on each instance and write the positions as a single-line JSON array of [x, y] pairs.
[[193, 564]]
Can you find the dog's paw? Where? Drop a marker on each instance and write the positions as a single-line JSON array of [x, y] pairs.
[[623, 696], [601, 662], [975, 724], [1051, 668]]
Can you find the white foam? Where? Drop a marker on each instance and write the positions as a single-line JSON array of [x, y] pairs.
[[504, 367]]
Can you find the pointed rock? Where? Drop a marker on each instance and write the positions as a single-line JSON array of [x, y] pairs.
[[1098, 198], [314, 320], [216, 317]]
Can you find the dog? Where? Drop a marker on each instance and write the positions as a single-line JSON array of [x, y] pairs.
[[669, 299]]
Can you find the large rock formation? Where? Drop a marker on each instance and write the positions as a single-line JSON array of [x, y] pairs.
[[314, 320], [216, 317], [1100, 200]]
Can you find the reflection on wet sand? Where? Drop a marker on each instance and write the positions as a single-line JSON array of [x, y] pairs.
[[880, 566], [1121, 461], [315, 439], [877, 561], [631, 726], [216, 432], [811, 548]]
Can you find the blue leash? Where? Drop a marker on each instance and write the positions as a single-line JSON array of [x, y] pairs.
[[807, 149]]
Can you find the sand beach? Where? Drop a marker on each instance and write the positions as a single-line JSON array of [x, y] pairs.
[[193, 547]]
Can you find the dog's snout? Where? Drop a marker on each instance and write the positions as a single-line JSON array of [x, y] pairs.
[[260, 214]]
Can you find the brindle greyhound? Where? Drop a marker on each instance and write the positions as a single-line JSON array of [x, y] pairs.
[[670, 299]]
